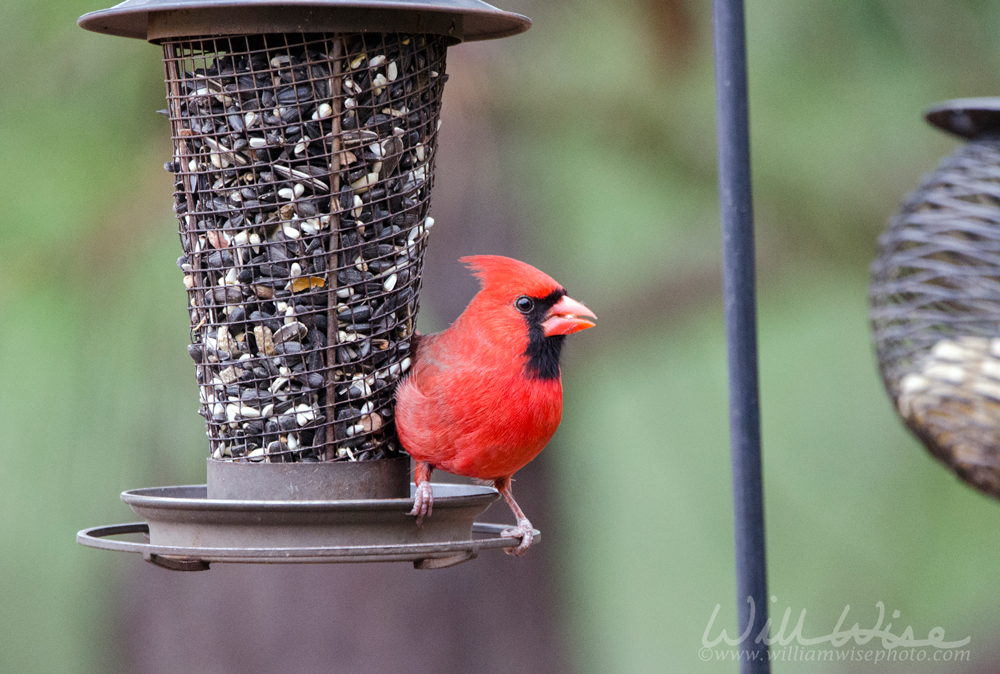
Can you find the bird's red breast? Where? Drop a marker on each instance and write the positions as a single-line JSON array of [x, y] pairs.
[[484, 397]]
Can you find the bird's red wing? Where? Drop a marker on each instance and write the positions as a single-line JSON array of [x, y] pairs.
[[415, 423], [422, 417]]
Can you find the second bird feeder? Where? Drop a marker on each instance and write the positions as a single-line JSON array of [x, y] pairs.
[[304, 140], [936, 300]]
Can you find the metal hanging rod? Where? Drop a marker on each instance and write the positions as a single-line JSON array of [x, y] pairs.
[[741, 326]]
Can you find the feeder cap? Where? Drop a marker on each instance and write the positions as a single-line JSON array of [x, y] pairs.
[[966, 117], [157, 20]]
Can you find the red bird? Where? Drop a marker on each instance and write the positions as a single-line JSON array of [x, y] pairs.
[[485, 396]]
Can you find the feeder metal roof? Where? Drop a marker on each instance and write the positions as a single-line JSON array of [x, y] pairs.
[[155, 20], [966, 117]]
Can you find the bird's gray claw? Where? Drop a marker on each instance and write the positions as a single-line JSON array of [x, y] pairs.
[[525, 532], [423, 503]]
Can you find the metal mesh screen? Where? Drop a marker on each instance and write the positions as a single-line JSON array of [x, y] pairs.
[[303, 169], [936, 312]]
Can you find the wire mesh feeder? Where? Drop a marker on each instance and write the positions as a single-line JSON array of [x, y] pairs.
[[936, 311], [304, 136], [303, 165]]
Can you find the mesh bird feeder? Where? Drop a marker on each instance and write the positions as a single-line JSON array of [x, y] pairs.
[[935, 297], [304, 139], [303, 173]]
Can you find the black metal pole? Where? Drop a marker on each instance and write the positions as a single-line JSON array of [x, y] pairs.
[[741, 327]]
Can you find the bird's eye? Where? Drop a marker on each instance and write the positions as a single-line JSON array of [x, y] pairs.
[[524, 304]]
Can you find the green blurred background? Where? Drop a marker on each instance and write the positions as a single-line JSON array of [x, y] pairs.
[[599, 132]]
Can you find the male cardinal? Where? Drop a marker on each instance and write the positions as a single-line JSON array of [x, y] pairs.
[[485, 396]]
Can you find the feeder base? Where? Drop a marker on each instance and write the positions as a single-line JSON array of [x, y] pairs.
[[187, 531], [319, 481]]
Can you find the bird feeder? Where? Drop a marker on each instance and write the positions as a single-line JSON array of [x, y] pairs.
[[936, 299], [304, 141]]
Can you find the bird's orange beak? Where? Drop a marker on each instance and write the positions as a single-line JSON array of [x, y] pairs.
[[566, 317]]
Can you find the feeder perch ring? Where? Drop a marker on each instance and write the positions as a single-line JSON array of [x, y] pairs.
[[187, 531], [423, 556]]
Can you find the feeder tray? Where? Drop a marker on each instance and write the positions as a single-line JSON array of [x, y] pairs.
[[304, 141], [283, 513], [935, 297], [188, 531]]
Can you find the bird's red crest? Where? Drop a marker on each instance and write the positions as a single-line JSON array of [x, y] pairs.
[[505, 276]]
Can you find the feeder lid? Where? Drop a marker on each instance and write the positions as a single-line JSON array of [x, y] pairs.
[[156, 20], [966, 117]]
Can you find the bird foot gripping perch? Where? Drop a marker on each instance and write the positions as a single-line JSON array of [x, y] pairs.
[[423, 500], [525, 532]]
